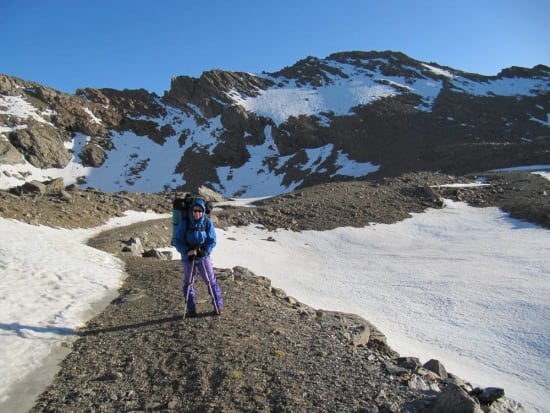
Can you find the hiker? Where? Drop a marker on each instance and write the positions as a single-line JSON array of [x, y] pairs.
[[195, 238]]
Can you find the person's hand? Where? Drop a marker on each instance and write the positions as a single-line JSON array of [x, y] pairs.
[[192, 253]]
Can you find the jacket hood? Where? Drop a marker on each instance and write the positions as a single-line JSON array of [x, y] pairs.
[[198, 202]]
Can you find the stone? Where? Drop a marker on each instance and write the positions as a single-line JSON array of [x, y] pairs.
[[395, 369], [278, 292], [34, 187], [436, 367], [55, 186], [409, 363], [134, 247], [153, 253], [488, 394], [92, 155], [360, 335], [453, 399]]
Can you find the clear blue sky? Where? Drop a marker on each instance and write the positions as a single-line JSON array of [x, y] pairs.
[[69, 44]]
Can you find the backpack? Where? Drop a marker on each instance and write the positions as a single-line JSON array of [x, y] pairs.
[[180, 210]]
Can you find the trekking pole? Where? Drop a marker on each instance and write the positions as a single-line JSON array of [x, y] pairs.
[[210, 289], [191, 278]]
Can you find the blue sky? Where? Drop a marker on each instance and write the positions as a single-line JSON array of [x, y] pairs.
[[130, 44]]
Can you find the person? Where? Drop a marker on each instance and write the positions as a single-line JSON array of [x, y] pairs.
[[195, 238]]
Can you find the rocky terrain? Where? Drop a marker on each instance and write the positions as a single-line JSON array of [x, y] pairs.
[[524, 195], [267, 352]]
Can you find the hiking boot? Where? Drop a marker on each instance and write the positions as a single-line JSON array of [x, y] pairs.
[[191, 313]]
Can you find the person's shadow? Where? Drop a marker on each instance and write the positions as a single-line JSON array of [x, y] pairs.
[[19, 328]]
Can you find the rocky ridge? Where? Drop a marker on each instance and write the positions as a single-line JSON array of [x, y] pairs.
[[460, 132], [268, 352], [321, 207]]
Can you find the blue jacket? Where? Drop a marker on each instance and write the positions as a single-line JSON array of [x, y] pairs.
[[192, 234]]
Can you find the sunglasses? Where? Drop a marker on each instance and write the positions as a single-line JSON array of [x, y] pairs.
[[198, 210]]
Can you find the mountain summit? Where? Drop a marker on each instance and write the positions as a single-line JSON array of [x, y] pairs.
[[351, 115]]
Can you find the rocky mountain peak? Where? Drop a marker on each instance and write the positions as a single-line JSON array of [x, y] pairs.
[[211, 91], [538, 71], [352, 115]]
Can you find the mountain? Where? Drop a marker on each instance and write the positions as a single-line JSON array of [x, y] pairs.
[[352, 115]]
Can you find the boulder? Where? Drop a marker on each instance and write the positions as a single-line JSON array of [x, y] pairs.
[[133, 247], [409, 363], [487, 395], [153, 253], [33, 187], [8, 154], [360, 335], [436, 367], [43, 145], [92, 155], [453, 399]]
